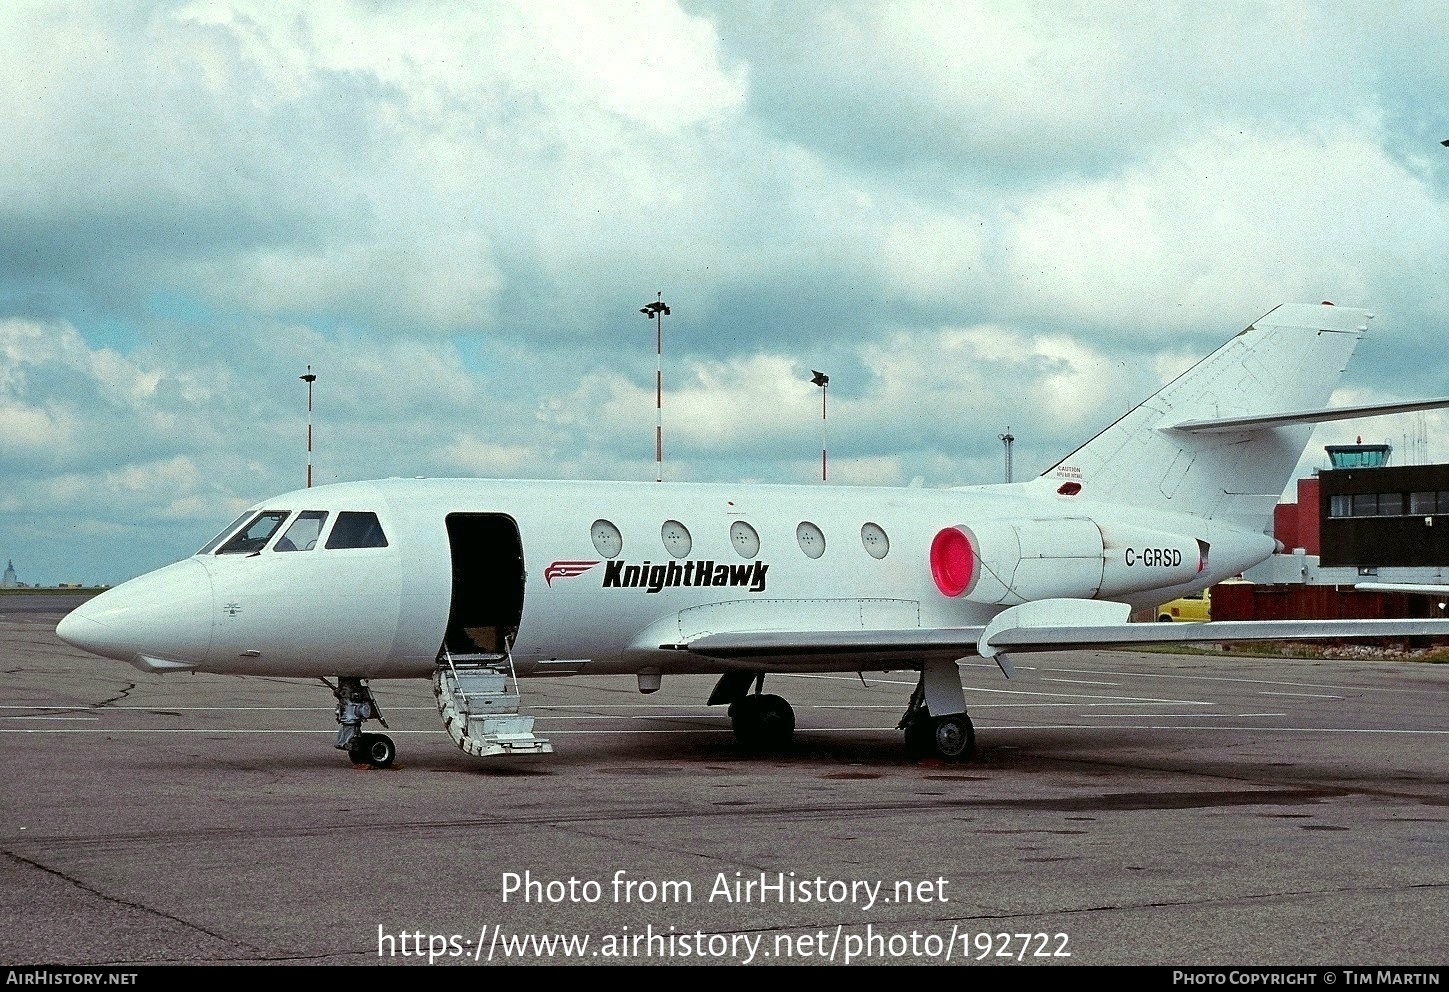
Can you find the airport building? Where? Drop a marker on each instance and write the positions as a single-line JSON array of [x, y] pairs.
[[1359, 521]]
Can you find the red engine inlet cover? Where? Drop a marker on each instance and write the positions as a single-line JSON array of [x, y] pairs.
[[953, 561]]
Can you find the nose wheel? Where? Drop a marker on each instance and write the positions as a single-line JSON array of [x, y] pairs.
[[355, 704], [376, 750]]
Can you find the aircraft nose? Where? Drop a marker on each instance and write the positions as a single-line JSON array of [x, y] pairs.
[[160, 620]]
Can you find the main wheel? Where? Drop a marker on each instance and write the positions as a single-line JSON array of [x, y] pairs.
[[763, 722], [376, 750], [952, 737], [918, 737]]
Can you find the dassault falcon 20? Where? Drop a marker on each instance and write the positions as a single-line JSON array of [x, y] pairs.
[[476, 583]]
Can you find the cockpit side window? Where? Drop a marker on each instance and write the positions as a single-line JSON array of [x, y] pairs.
[[254, 536], [211, 544], [303, 534], [356, 529]]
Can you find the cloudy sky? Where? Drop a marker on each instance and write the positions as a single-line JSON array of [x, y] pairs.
[[971, 215]]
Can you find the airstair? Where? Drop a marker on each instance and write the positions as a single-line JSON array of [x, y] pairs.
[[477, 696]]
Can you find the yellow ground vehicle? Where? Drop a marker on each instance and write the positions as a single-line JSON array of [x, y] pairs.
[[1195, 607]]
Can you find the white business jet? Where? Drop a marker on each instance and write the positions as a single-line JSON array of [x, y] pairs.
[[476, 583]]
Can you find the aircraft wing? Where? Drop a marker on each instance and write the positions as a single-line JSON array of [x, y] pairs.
[[1045, 625], [963, 641]]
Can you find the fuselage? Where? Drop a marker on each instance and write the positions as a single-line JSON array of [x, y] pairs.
[[572, 577]]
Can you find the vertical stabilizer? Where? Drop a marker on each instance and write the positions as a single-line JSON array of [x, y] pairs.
[[1288, 360]]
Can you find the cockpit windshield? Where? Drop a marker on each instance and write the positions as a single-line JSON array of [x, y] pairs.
[[254, 536], [303, 534], [211, 544]]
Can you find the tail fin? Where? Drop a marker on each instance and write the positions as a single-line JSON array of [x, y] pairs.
[[1288, 360]]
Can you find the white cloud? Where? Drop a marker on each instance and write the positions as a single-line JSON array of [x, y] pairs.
[[1226, 227]]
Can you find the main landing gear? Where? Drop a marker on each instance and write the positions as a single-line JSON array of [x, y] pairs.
[[761, 721], [935, 721], [356, 703]]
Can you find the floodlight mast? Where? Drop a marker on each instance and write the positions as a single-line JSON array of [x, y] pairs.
[[309, 378], [658, 310]]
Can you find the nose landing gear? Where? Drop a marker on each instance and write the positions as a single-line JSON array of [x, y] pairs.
[[356, 703]]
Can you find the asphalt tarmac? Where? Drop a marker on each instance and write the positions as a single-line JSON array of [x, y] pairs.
[[1122, 809]]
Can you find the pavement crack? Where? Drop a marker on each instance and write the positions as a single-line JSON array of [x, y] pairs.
[[116, 698], [129, 904]]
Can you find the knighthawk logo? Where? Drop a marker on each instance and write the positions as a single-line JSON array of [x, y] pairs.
[[566, 570], [671, 575], [674, 574]]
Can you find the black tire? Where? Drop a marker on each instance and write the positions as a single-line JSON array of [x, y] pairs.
[[764, 723], [376, 750], [918, 737], [953, 738], [776, 722], [1164, 618]]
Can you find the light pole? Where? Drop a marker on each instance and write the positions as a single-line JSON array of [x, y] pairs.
[[658, 310], [1007, 439], [309, 378], [822, 380]]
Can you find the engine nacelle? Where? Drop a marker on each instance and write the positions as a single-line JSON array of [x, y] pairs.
[[1010, 562], [1137, 559]]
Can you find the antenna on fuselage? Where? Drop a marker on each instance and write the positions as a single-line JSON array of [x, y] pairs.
[[309, 378]]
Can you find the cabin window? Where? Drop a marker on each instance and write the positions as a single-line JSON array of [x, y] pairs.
[[746, 539], [811, 538], [873, 536], [255, 535], [676, 538], [303, 534], [211, 545], [1422, 503], [355, 529], [607, 539]]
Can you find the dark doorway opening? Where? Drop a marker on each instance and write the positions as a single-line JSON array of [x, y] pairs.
[[487, 603]]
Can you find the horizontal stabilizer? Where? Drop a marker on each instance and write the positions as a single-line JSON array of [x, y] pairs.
[[1263, 421]]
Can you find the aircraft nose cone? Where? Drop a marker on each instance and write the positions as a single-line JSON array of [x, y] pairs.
[[160, 620]]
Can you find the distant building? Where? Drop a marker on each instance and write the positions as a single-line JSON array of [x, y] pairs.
[[8, 580], [1363, 520]]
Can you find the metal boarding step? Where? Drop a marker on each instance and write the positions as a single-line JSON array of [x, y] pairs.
[[478, 699]]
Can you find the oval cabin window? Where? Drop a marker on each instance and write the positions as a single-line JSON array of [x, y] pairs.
[[873, 536], [745, 539], [811, 538], [676, 538], [607, 539]]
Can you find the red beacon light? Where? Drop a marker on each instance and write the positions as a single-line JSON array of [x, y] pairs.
[[953, 561]]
